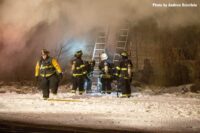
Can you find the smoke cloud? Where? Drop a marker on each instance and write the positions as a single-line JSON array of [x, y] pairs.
[[26, 26]]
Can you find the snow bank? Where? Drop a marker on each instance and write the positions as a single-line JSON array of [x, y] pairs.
[[154, 112]]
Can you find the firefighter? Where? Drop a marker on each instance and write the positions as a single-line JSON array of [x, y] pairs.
[[88, 80], [106, 73], [49, 72], [124, 74], [78, 73]]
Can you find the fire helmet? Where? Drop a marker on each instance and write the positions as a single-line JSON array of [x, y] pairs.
[[78, 53], [44, 52], [124, 54], [104, 56]]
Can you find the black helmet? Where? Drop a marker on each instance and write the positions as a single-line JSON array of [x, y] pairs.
[[78, 53], [44, 51]]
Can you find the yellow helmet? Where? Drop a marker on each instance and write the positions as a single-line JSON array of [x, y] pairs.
[[124, 54]]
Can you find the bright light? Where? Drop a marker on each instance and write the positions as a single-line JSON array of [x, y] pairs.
[[71, 46]]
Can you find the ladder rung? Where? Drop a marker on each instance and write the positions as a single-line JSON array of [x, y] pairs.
[[124, 29], [99, 43], [124, 35], [121, 41], [101, 37], [120, 47], [99, 49]]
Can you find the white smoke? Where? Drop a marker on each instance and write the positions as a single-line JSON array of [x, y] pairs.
[[28, 25]]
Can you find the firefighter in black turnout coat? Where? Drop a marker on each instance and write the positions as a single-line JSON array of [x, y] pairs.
[[49, 72], [106, 73], [78, 73], [124, 74], [88, 80]]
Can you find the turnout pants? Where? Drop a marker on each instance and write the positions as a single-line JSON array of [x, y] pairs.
[[88, 84], [106, 85], [48, 83], [125, 86], [78, 83]]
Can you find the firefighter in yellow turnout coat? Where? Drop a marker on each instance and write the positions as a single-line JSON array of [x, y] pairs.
[[49, 72], [124, 74], [78, 73]]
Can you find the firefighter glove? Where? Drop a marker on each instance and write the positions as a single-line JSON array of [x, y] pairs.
[[36, 79], [60, 76]]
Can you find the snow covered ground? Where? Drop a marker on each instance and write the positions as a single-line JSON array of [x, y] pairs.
[[166, 112]]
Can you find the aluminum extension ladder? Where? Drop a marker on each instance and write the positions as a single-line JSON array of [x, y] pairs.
[[122, 41], [99, 48]]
